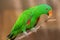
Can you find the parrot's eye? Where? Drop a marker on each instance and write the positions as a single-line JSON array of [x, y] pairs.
[[46, 8]]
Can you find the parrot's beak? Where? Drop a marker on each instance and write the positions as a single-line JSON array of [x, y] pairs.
[[50, 13]]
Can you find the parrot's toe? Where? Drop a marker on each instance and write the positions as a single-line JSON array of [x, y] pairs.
[[25, 33], [33, 30]]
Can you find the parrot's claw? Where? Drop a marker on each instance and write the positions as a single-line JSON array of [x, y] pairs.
[[33, 30], [25, 33]]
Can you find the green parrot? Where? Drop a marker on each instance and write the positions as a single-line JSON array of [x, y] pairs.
[[28, 19]]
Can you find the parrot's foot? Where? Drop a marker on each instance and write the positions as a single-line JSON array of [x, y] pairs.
[[25, 33], [33, 30]]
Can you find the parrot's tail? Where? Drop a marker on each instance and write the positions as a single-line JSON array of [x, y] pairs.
[[11, 37]]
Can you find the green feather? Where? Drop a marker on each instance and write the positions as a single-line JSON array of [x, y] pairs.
[[31, 14]]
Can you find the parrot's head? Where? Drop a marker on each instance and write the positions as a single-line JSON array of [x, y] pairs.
[[46, 9]]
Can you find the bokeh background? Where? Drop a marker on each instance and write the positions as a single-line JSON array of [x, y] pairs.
[[11, 9]]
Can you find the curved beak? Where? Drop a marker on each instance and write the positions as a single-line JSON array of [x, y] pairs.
[[50, 13]]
